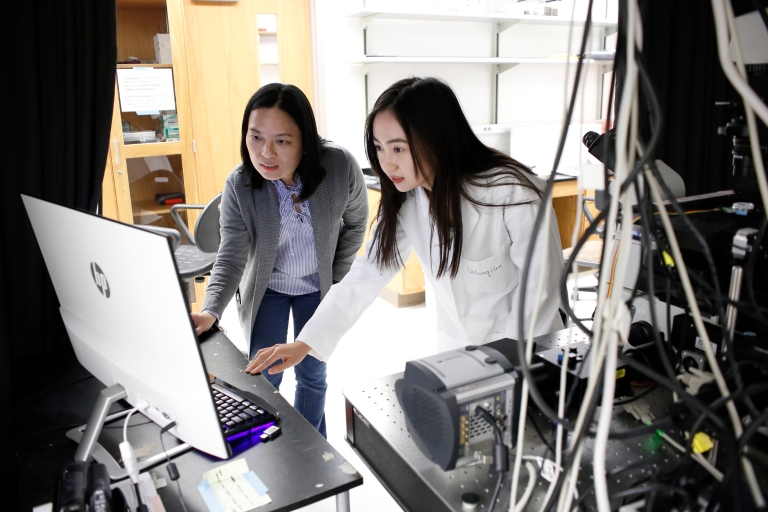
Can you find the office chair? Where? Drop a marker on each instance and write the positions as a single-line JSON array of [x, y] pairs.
[[194, 261]]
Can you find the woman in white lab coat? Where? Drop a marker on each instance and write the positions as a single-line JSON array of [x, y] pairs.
[[467, 211]]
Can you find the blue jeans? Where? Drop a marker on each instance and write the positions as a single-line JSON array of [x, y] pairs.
[[270, 328]]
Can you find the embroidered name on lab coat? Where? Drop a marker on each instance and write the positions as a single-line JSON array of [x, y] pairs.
[[483, 272]]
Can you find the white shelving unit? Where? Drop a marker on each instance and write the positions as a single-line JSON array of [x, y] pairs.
[[501, 23], [505, 63], [506, 21]]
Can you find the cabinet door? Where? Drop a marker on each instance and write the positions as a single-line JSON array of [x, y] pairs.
[[116, 196], [223, 66]]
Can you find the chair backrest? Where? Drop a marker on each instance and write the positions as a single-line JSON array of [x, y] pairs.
[[207, 235]]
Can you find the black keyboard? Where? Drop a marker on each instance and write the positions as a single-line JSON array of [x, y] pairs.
[[240, 411]]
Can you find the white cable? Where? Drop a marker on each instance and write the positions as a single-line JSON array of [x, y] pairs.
[[125, 424], [604, 426], [520, 505], [723, 52], [140, 406], [702, 332], [754, 138], [529, 352], [616, 317], [577, 228], [623, 130]]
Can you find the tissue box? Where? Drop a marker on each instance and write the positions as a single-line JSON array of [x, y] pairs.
[[163, 48], [171, 126]]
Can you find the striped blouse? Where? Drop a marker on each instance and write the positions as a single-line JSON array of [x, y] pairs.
[[295, 270]]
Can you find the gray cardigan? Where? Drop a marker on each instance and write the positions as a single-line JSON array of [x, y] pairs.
[[250, 231]]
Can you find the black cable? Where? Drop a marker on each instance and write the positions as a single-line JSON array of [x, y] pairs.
[[500, 454], [576, 441], [47, 390], [644, 202], [751, 429], [496, 491], [51, 429], [643, 394], [583, 495], [653, 488], [173, 473], [639, 431], [726, 435], [718, 403], [727, 341], [591, 229], [677, 388], [691, 402], [532, 388], [539, 432], [142, 506], [129, 426], [751, 265], [668, 307]]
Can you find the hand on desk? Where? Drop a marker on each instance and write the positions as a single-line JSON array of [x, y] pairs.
[[202, 322], [291, 354]]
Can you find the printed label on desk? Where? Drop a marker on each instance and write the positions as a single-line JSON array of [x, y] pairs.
[[233, 488]]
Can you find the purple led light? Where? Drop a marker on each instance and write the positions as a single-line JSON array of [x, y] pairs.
[[254, 430]]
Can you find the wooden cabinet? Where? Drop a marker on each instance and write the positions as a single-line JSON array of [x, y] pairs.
[[407, 287], [216, 69]]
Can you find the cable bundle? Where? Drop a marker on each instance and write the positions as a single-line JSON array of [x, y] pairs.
[[724, 403]]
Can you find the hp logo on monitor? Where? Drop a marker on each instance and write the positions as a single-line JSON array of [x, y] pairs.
[[100, 279]]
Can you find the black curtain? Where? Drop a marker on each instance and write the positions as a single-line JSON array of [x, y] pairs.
[[680, 54], [59, 90]]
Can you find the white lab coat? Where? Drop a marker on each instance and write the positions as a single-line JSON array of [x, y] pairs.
[[481, 303]]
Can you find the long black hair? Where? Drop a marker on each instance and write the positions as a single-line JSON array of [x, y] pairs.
[[440, 139], [293, 102]]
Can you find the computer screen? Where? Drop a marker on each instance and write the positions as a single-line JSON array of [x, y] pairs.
[[125, 313]]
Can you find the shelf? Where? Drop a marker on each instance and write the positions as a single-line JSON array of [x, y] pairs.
[[149, 207], [505, 20], [504, 63], [141, 4], [490, 129], [267, 33], [152, 149], [376, 59], [131, 66]]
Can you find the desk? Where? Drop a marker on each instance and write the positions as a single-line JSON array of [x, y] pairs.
[[299, 467], [376, 430]]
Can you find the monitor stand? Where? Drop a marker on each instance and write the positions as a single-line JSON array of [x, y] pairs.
[[87, 436]]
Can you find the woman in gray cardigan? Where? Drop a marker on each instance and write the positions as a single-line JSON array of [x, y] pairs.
[[283, 243]]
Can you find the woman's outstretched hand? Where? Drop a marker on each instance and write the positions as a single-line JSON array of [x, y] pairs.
[[291, 354], [202, 322]]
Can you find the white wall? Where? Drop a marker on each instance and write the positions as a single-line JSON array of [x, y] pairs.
[[531, 97]]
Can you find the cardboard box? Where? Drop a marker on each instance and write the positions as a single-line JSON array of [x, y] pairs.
[[163, 48]]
